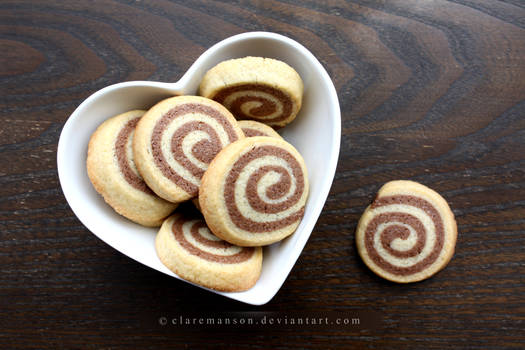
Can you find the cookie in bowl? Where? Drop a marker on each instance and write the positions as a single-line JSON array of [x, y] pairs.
[[254, 192], [111, 169], [176, 140], [263, 89], [187, 247]]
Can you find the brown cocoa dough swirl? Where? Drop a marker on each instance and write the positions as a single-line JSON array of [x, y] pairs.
[[249, 132], [396, 231], [204, 150], [124, 162], [244, 254], [274, 191], [267, 107]]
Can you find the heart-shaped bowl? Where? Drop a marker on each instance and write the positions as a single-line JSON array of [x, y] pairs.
[[316, 133]]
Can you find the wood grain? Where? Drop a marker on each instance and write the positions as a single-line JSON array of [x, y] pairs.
[[432, 91]]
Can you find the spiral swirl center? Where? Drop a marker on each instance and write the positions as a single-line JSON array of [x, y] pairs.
[[263, 190], [194, 134], [405, 236], [256, 101]]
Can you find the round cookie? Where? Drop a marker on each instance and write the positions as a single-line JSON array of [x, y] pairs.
[[177, 139], [408, 233], [262, 89], [254, 191], [187, 247], [252, 128], [112, 172]]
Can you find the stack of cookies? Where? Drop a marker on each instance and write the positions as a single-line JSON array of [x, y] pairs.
[[250, 185]]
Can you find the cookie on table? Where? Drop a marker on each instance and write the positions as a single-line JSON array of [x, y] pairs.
[[186, 246], [176, 140], [408, 233], [252, 128], [254, 191], [262, 89], [112, 172]]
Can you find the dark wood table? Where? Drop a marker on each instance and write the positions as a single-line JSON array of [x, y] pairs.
[[432, 91]]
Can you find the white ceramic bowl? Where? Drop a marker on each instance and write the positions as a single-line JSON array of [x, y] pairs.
[[316, 133]]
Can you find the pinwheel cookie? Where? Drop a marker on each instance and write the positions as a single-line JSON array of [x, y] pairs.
[[408, 233], [263, 89], [252, 128], [254, 191], [187, 247], [112, 171], [177, 139]]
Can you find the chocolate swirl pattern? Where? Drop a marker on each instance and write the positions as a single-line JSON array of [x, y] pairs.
[[177, 139], [256, 101], [111, 169], [252, 132], [405, 236], [257, 88], [187, 247], [262, 189], [124, 154], [196, 133]]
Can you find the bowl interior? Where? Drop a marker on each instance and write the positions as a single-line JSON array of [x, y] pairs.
[[315, 133]]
